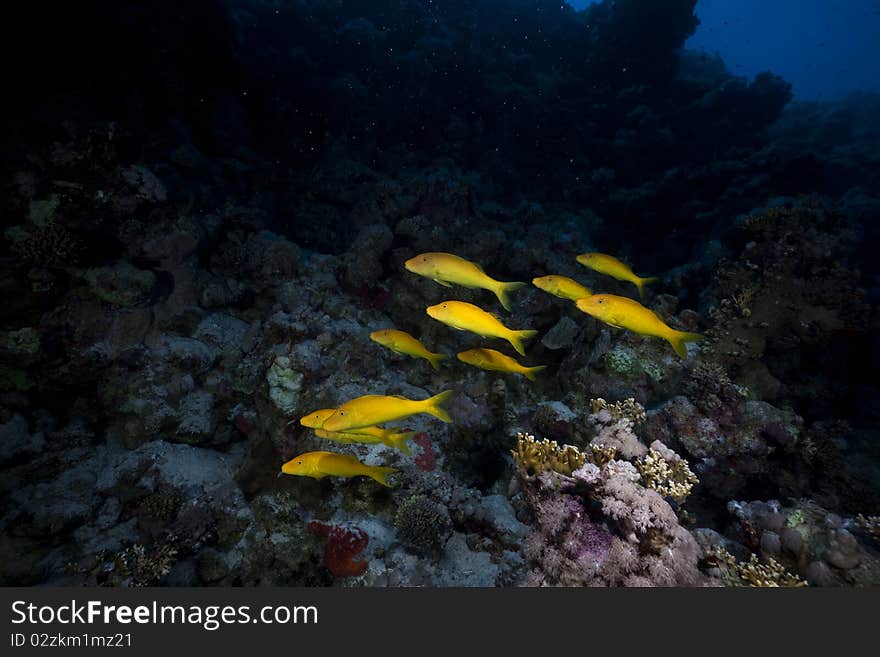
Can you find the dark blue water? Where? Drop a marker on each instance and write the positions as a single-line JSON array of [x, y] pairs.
[[825, 49]]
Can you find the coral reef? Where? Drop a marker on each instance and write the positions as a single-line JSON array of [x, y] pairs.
[[198, 243], [752, 573]]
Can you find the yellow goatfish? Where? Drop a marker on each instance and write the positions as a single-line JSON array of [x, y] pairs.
[[562, 287], [611, 266], [370, 410], [445, 268], [402, 342], [364, 435], [625, 313], [468, 317], [489, 359], [318, 465]]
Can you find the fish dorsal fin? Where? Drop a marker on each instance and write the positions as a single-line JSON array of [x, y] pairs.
[[399, 397]]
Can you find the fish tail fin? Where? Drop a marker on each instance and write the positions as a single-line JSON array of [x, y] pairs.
[[434, 405], [531, 372], [516, 338], [435, 359], [501, 291], [400, 441], [380, 474], [641, 282], [678, 340]]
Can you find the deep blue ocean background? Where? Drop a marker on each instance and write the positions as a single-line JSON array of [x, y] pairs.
[[205, 211], [827, 50]]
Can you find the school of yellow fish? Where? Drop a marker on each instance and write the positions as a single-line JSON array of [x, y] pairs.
[[359, 420]]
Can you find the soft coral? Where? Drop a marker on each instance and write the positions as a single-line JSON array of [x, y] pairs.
[[341, 549]]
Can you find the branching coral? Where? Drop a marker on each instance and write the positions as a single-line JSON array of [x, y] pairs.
[[614, 425], [666, 472], [753, 572], [535, 456], [597, 523], [628, 409]]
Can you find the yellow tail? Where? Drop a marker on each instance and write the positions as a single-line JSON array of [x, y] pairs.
[[501, 292], [678, 339], [434, 406], [516, 337], [530, 372], [399, 440], [641, 282], [381, 475], [435, 359]]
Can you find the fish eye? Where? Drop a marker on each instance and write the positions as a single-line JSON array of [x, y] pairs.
[[443, 306], [601, 301], [342, 412]]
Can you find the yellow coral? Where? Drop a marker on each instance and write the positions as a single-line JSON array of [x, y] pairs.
[[601, 455], [670, 479], [752, 573], [628, 409], [535, 456]]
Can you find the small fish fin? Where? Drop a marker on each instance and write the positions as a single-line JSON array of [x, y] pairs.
[[530, 372], [435, 359], [641, 282], [443, 283], [503, 289], [387, 440], [400, 440], [516, 338], [380, 474], [678, 339], [434, 405]]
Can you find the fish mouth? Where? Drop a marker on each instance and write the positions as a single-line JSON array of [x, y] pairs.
[[584, 307], [409, 266], [333, 424], [432, 312]]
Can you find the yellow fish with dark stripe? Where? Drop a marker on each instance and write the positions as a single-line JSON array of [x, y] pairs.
[[489, 359], [370, 410], [611, 266], [364, 435], [401, 342], [562, 287], [625, 313], [468, 317], [446, 268], [318, 465]]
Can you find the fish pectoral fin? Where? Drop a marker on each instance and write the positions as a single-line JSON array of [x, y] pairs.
[[443, 283]]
